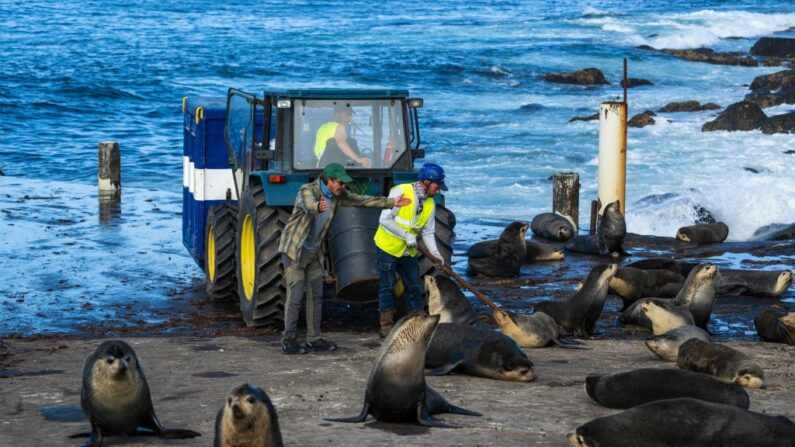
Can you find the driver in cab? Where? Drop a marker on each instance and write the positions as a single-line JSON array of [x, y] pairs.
[[332, 144]]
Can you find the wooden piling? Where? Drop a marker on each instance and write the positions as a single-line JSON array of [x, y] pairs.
[[109, 172], [566, 196], [594, 213]]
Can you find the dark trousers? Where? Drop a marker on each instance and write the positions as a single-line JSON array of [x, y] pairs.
[[409, 270], [297, 276]]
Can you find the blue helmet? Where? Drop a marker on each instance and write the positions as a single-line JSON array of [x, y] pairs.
[[434, 173]]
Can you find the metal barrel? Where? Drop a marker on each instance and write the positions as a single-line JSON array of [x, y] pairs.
[[353, 253]]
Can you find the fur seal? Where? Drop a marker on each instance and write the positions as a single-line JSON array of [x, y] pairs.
[[612, 230], [396, 390], [446, 300], [633, 388], [770, 327], [754, 282], [479, 352], [531, 331], [579, 313], [697, 295], [586, 244], [552, 226], [703, 233], [681, 267], [632, 284], [508, 257], [666, 346], [115, 396], [685, 422], [721, 361], [665, 315], [247, 419], [534, 251]]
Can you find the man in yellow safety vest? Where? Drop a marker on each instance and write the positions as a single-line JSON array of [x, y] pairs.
[[331, 141], [396, 239]]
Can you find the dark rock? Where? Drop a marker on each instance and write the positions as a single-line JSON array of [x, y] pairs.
[[593, 117], [646, 47], [713, 57], [773, 89], [735, 38], [704, 216], [688, 106], [773, 46], [743, 115], [532, 107], [774, 81], [790, 152], [775, 61], [751, 170], [588, 76], [710, 106], [642, 119], [635, 82], [766, 99], [780, 124], [776, 232]]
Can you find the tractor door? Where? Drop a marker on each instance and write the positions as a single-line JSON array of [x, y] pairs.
[[239, 132]]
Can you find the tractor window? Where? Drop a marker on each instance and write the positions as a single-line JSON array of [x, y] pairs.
[[358, 134]]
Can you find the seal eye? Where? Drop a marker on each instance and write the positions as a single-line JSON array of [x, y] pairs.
[[110, 360], [251, 399]]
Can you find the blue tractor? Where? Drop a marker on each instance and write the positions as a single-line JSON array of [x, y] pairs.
[[245, 159]]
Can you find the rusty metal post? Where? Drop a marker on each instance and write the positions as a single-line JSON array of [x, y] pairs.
[[612, 154], [594, 212], [566, 196], [109, 172]]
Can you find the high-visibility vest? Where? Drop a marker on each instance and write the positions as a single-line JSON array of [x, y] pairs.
[[325, 132], [407, 220]]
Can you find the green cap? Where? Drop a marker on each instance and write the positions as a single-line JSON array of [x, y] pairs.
[[335, 170]]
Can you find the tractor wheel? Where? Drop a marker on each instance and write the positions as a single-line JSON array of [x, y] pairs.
[[445, 221], [260, 274], [219, 257]]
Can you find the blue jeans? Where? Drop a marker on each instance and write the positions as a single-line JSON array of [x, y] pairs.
[[409, 270]]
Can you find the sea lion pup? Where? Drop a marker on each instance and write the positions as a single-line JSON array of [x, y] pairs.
[[770, 327], [534, 251], [697, 295], [552, 226], [632, 284], [479, 352], [579, 313], [247, 419], [665, 316], [685, 422], [703, 233], [721, 361], [396, 390], [753, 282], [446, 300], [612, 230], [115, 396], [633, 388], [666, 346], [531, 331], [508, 258]]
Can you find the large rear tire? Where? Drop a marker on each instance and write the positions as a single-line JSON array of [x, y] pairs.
[[220, 264], [445, 222], [259, 269]]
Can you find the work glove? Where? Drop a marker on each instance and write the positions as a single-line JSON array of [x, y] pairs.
[[411, 240]]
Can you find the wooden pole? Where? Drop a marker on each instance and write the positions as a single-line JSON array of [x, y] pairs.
[[566, 196], [594, 212], [612, 154], [109, 172]]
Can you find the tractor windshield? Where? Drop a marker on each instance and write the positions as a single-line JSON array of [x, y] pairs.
[[358, 134]]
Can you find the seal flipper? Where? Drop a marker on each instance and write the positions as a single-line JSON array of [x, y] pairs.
[[360, 418], [425, 419], [435, 403], [94, 438], [164, 433], [570, 344], [446, 369]]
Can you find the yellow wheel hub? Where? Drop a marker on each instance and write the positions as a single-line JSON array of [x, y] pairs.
[[248, 257], [211, 254]]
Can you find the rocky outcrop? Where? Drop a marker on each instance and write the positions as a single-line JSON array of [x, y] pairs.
[[775, 232], [774, 81], [593, 117], [635, 82], [780, 124], [773, 89], [642, 119], [688, 106], [774, 46], [708, 55], [743, 115], [779, 61], [588, 76], [766, 99]]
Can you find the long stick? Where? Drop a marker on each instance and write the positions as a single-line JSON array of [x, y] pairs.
[[460, 280]]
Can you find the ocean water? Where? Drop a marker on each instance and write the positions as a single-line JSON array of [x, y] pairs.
[[76, 73]]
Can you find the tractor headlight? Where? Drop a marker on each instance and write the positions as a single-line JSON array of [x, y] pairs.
[[284, 104], [414, 103]]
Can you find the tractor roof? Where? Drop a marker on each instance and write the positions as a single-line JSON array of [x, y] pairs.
[[338, 93]]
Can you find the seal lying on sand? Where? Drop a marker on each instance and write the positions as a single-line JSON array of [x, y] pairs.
[[479, 352], [633, 388], [396, 390], [446, 300], [247, 419], [721, 361], [703, 233], [534, 252], [532, 331], [754, 282], [508, 258], [770, 325], [685, 421], [632, 284], [666, 346], [115, 396], [579, 313], [552, 226]]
